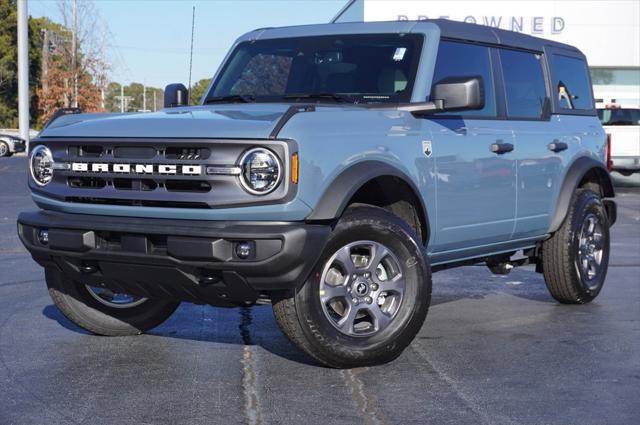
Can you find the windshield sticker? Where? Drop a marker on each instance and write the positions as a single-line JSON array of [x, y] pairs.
[[399, 54]]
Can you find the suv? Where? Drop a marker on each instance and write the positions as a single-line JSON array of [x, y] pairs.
[[329, 170], [622, 124]]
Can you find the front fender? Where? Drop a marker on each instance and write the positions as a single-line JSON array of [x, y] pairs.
[[335, 198]]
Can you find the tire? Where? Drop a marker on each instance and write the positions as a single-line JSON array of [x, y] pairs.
[[565, 253], [85, 309], [393, 300], [4, 149]]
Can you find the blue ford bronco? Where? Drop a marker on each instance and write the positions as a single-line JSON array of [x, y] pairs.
[[329, 170]]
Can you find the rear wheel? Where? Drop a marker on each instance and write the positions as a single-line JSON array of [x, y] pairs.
[[367, 297], [104, 312], [575, 259]]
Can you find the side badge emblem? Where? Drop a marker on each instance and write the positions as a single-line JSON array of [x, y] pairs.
[[426, 148]]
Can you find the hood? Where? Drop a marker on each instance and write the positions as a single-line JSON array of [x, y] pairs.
[[214, 121]]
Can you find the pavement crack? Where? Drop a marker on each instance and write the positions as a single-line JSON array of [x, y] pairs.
[[366, 403], [249, 387], [484, 417]]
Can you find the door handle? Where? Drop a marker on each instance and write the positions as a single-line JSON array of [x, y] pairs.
[[500, 147], [557, 146]]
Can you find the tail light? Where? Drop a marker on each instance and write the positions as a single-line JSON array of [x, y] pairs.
[[608, 154]]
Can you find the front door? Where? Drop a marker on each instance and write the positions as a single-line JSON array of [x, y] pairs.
[[475, 183]]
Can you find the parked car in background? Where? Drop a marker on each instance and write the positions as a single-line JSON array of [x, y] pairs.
[[10, 144], [622, 124]]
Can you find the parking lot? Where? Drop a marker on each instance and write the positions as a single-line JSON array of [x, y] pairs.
[[494, 350]]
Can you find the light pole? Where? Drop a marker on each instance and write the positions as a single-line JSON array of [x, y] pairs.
[[23, 70]]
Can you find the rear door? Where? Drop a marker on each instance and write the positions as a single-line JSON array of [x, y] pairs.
[[542, 148], [475, 187]]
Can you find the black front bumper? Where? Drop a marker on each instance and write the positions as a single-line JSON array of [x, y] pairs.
[[189, 260]]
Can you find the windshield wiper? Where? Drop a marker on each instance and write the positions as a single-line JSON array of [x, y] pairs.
[[243, 98], [320, 96]]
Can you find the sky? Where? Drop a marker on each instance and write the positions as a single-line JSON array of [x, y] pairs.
[[150, 39]]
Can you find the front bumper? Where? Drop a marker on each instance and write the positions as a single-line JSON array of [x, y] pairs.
[[19, 146], [192, 261]]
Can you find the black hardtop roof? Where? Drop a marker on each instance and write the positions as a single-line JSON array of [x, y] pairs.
[[487, 34]]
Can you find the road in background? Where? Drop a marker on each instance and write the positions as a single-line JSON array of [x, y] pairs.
[[494, 350]]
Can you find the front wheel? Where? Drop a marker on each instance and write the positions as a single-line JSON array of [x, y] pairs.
[[104, 312], [575, 259], [4, 149], [367, 297]]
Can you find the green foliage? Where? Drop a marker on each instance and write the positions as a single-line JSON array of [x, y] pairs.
[[9, 63], [198, 90]]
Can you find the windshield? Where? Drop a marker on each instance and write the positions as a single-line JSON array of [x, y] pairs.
[[345, 68], [619, 116]]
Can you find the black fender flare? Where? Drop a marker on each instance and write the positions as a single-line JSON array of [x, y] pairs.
[[573, 177], [334, 200]]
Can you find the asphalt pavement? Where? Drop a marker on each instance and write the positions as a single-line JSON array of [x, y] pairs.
[[494, 350]]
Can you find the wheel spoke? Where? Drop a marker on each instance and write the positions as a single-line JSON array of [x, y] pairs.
[[343, 256], [395, 284], [328, 292], [347, 321], [380, 318], [378, 252]]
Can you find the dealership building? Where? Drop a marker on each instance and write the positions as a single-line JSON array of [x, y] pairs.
[[607, 31]]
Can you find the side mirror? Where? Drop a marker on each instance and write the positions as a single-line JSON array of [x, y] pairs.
[[459, 93], [176, 95]]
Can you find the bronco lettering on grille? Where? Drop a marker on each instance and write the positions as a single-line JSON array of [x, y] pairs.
[[170, 169]]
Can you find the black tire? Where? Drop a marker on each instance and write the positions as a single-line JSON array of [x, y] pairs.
[[79, 306], [302, 319], [566, 280], [4, 149]]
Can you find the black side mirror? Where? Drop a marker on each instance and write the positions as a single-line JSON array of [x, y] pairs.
[[176, 95], [459, 93]]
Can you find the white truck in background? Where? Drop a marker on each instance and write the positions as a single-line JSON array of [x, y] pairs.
[[622, 124]]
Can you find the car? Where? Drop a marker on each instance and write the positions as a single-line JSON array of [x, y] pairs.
[[10, 144], [329, 171], [622, 124]]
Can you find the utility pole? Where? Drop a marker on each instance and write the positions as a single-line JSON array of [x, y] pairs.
[[122, 98], [74, 48], [144, 98], [23, 70]]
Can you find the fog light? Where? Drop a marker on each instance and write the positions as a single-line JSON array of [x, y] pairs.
[[43, 236], [244, 250]]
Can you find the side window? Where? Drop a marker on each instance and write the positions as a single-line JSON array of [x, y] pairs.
[[571, 83], [463, 60], [524, 83]]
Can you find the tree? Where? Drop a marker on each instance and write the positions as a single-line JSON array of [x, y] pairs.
[[9, 63], [74, 75], [198, 90]]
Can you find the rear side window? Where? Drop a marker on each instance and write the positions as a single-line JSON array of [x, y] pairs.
[[524, 83], [466, 60], [571, 83]]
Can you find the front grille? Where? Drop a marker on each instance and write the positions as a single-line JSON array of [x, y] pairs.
[[156, 172]]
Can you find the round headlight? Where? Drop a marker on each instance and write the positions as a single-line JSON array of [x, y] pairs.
[[41, 165], [261, 171]]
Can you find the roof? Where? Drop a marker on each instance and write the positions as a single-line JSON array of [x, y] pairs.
[[448, 28]]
